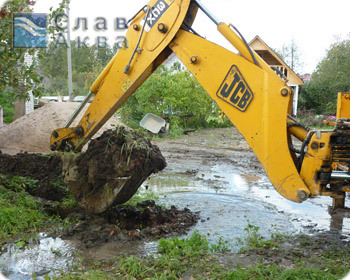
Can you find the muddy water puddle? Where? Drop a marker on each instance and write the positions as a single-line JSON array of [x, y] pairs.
[[45, 256], [227, 200], [52, 255]]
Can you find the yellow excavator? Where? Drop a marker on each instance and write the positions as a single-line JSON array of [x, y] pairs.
[[253, 96]]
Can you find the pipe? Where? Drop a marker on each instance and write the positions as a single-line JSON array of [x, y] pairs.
[[78, 110]]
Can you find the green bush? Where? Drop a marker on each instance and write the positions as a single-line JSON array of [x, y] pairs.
[[6, 102], [173, 94]]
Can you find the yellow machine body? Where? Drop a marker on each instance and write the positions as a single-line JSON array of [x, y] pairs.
[[248, 91]]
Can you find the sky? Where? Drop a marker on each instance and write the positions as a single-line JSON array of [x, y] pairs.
[[313, 24]]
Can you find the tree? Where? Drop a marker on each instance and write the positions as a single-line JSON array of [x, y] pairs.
[[175, 91], [13, 71], [87, 64], [290, 53], [332, 75], [16, 77]]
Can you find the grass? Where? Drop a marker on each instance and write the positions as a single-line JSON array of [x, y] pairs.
[[279, 257], [140, 196], [21, 215], [195, 258], [262, 272]]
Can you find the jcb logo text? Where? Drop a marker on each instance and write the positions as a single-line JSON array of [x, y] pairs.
[[235, 91]]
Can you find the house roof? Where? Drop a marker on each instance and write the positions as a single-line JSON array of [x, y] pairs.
[[272, 59]]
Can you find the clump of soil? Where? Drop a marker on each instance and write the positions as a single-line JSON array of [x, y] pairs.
[[145, 221], [47, 170], [112, 169]]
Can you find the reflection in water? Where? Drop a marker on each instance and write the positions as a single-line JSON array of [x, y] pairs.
[[246, 189], [337, 218]]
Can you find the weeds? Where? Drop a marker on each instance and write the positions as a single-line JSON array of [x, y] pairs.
[[255, 241], [20, 214], [18, 183], [195, 258], [140, 196], [68, 202]]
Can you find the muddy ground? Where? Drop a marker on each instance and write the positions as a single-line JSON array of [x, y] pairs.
[[118, 153], [220, 187], [211, 159]]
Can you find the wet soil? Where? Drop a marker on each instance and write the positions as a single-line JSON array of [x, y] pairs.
[[116, 156], [294, 251], [46, 169], [145, 221], [215, 173]]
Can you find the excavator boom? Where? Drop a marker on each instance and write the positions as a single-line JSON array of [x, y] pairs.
[[256, 100]]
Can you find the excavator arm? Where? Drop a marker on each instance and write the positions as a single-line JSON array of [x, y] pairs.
[[256, 100]]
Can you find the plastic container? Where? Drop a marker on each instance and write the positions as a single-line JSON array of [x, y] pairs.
[[152, 122]]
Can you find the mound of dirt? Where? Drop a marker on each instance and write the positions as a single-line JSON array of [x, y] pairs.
[[145, 221], [31, 133]]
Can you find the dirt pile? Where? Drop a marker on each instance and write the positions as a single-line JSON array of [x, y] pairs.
[[112, 169], [145, 221], [31, 133]]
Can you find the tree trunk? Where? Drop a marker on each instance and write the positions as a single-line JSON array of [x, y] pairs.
[[20, 108], [20, 102]]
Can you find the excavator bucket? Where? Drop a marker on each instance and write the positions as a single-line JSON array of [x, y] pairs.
[[111, 170]]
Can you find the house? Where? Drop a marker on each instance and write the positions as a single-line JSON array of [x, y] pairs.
[[281, 68], [306, 77]]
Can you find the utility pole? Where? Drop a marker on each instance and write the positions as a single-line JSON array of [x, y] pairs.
[[292, 62], [1, 117], [69, 57]]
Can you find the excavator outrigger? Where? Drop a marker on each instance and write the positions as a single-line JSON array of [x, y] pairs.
[[256, 100]]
